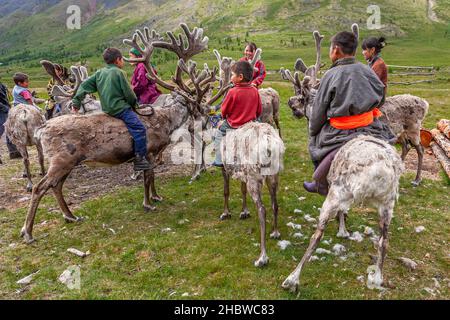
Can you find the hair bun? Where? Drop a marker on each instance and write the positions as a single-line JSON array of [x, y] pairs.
[[382, 42]]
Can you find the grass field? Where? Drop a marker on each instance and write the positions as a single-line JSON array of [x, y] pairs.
[[209, 259]]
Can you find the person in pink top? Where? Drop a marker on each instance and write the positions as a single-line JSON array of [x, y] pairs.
[[259, 72], [145, 89]]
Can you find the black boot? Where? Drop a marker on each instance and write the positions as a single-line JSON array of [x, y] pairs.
[[316, 187], [15, 155], [141, 164]]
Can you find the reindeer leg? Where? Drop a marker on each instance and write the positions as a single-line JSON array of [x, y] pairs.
[[147, 182], [50, 180], [375, 278], [405, 147], [277, 123], [342, 233], [67, 214], [26, 163], [329, 210], [245, 214], [41, 158], [419, 149], [272, 185], [255, 188], [154, 194], [226, 195]]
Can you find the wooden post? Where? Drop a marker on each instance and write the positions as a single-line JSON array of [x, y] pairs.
[[444, 126], [443, 159]]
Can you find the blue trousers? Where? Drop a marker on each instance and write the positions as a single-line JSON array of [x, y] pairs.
[[137, 130]]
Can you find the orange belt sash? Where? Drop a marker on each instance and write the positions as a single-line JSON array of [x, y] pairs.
[[355, 121]]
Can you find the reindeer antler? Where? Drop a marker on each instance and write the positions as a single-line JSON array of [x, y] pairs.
[[50, 69], [355, 30], [294, 79]]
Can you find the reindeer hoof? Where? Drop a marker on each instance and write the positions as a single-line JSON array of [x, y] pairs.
[[29, 188], [290, 284], [415, 183], [262, 261], [27, 237], [343, 234], [157, 198], [73, 219], [275, 235], [225, 216], [24, 175], [244, 215], [148, 208]]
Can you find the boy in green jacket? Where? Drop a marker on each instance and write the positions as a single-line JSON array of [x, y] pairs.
[[117, 99]]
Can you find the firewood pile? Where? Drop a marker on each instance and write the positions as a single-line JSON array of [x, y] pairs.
[[441, 144]]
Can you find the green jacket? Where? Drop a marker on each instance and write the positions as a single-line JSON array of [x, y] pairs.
[[112, 85]]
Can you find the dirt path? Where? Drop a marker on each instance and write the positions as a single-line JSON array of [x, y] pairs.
[[83, 183]]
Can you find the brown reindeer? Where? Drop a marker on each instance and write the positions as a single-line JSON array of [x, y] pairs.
[[99, 138]]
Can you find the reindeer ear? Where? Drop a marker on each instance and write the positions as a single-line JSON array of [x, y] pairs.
[[300, 65], [83, 73], [49, 67]]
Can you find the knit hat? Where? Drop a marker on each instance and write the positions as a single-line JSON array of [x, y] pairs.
[[136, 52]]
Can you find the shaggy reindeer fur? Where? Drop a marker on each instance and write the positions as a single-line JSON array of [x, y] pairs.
[[97, 138], [404, 114], [23, 120], [254, 154], [365, 170]]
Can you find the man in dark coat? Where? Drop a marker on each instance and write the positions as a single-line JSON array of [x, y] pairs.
[[4, 109], [345, 106]]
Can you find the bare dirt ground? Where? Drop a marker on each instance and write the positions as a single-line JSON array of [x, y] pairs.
[[84, 183]]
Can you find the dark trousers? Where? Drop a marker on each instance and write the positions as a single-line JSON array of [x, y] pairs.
[[322, 168], [11, 147], [136, 129]]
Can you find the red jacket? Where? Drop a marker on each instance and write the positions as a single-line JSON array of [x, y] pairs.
[[259, 74], [241, 105]]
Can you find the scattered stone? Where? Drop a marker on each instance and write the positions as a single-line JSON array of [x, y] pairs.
[[110, 229], [256, 244], [283, 244], [410, 264], [27, 280], [301, 198], [183, 221], [310, 219], [324, 251], [294, 226], [343, 258], [165, 230], [298, 211], [78, 252], [23, 199], [420, 229], [326, 242], [368, 231], [186, 294], [313, 258], [298, 235], [356, 236], [430, 291], [339, 249], [12, 245], [360, 279], [294, 258], [436, 283], [69, 278]]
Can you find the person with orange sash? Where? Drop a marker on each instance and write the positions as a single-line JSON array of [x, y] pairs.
[[344, 107]]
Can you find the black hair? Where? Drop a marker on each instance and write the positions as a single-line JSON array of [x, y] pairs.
[[20, 77], [244, 68], [347, 41], [110, 55], [252, 46], [372, 42]]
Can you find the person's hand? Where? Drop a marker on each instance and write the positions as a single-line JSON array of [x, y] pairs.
[[72, 108], [254, 85]]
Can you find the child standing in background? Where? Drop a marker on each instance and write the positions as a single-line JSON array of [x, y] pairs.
[[372, 53], [21, 94]]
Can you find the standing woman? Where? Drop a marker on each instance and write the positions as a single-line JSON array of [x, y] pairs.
[[145, 89], [259, 73], [372, 53]]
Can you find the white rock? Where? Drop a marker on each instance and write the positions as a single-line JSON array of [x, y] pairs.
[[24, 199], [298, 211], [301, 198], [310, 219], [324, 251], [283, 244], [186, 294], [420, 229], [326, 242], [360, 279], [368, 231], [410, 264], [436, 283], [343, 258], [298, 235], [356, 236], [313, 258], [339, 249], [166, 230], [294, 226], [78, 252], [430, 291], [28, 279], [69, 278]]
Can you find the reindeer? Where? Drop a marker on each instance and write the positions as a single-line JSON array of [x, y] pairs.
[[270, 101], [98, 138], [403, 114], [365, 170]]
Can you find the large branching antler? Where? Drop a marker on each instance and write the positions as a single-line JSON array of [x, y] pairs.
[[294, 79], [51, 70], [225, 64]]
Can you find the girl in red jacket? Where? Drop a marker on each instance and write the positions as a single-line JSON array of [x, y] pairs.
[[372, 53], [259, 73]]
